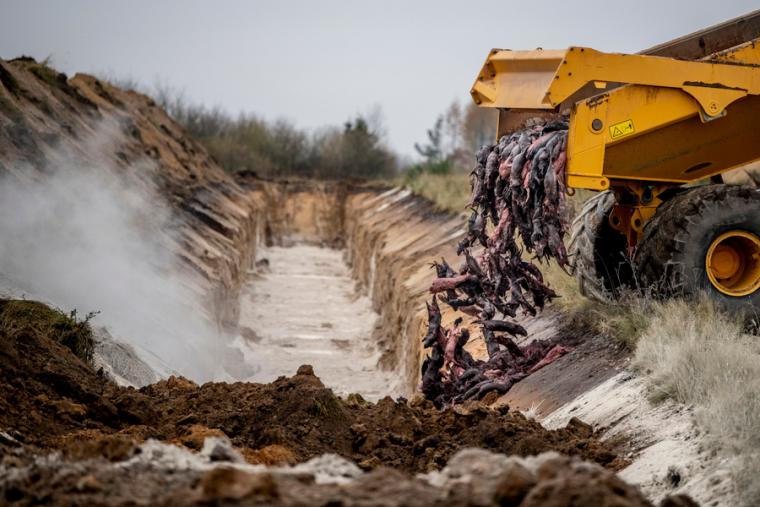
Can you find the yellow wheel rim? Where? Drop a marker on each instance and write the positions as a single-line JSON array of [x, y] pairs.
[[733, 263]]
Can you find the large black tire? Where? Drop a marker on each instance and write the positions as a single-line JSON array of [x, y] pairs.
[[597, 252], [670, 257]]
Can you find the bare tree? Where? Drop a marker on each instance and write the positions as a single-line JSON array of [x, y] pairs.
[[479, 127]]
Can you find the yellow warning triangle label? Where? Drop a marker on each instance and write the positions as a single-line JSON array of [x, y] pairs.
[[621, 129]]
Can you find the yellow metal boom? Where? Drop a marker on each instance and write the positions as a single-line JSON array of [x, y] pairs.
[[650, 123]]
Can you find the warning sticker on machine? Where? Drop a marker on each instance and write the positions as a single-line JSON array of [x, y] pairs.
[[621, 129]]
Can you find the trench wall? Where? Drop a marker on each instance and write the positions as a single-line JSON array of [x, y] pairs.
[[392, 239]]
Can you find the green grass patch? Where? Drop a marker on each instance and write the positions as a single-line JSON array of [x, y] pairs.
[[67, 329], [449, 191], [327, 406]]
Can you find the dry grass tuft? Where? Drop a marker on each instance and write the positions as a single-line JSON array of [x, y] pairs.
[[697, 355], [532, 412], [449, 192], [622, 320]]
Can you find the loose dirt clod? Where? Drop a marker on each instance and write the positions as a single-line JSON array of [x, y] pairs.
[[517, 188]]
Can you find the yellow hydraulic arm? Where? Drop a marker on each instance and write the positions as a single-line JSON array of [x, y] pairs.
[[545, 79], [672, 122]]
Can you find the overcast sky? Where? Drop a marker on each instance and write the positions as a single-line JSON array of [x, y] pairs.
[[319, 62]]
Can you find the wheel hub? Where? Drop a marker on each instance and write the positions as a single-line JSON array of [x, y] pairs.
[[733, 263]]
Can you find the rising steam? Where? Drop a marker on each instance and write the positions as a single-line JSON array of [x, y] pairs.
[[89, 239]]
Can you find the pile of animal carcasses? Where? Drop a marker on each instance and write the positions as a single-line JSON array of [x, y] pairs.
[[518, 188]]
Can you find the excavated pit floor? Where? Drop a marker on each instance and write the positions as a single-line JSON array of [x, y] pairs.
[[304, 308]]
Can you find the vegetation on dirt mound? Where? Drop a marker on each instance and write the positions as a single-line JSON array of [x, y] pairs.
[[19, 316], [357, 149], [448, 191], [247, 143]]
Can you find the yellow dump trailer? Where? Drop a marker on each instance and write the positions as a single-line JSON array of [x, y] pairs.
[[654, 134]]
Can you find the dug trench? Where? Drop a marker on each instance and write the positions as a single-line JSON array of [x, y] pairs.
[[52, 399], [359, 257]]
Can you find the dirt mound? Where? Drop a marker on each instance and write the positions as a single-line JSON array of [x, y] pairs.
[[300, 414], [46, 391], [51, 399]]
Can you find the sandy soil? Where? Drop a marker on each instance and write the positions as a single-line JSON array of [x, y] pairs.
[[302, 307], [668, 453]]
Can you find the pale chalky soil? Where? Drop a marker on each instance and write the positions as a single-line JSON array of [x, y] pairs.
[[304, 309]]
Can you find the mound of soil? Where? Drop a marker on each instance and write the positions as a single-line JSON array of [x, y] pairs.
[[300, 414], [47, 391], [50, 399]]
